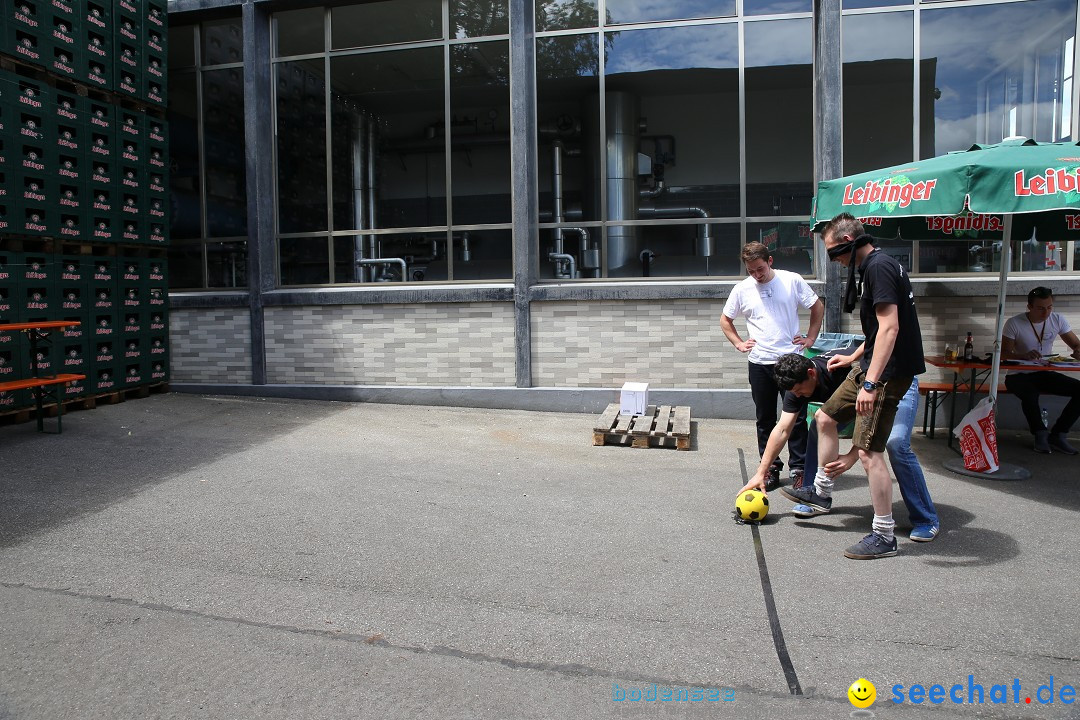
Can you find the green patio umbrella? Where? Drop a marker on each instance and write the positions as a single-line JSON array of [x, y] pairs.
[[1015, 188]]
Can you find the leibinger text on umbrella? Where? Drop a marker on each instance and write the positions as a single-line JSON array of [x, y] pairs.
[[969, 221], [888, 193], [1051, 182]]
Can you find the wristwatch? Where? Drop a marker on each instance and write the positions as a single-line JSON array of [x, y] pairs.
[[869, 386]]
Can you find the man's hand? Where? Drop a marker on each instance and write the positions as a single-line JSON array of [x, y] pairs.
[[746, 345], [864, 403], [842, 464], [839, 361], [756, 483], [803, 341], [1076, 353]]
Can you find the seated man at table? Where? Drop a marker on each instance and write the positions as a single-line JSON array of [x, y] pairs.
[[1030, 336]]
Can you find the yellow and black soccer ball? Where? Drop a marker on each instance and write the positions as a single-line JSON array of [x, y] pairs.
[[751, 506]]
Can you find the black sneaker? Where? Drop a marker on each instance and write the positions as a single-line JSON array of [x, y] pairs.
[[871, 547], [796, 477], [773, 481], [819, 504], [1060, 443]]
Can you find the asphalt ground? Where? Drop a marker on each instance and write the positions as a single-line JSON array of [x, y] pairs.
[[186, 556]]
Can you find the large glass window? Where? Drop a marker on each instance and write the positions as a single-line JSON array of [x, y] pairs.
[[634, 11], [301, 146], [877, 64], [779, 118], [672, 144], [386, 22], [207, 179], [985, 83]]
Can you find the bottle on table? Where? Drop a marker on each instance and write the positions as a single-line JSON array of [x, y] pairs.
[[969, 349]]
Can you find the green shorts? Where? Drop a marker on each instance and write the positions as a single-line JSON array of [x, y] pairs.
[[871, 431]]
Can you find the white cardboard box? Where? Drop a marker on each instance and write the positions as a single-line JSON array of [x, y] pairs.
[[634, 398]]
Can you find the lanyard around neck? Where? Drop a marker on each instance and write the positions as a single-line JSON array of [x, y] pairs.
[[1038, 335]]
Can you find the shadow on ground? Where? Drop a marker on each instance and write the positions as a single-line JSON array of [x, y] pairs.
[[51, 479]]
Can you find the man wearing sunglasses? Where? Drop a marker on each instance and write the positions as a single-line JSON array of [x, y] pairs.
[[1029, 336], [872, 391]]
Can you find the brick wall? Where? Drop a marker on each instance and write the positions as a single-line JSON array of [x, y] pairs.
[[211, 346], [469, 344]]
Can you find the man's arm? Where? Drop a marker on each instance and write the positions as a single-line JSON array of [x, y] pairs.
[[777, 440], [817, 314], [1071, 340], [888, 328], [732, 335], [1009, 351]]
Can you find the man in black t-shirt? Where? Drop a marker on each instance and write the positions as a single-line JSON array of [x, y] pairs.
[[871, 393], [805, 380]]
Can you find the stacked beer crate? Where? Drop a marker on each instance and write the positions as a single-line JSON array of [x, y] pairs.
[[84, 199]]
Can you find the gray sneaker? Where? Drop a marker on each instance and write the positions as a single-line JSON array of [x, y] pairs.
[[1060, 443], [871, 547], [805, 496], [1042, 442]]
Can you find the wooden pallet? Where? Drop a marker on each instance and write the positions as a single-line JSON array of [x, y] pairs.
[[663, 426]]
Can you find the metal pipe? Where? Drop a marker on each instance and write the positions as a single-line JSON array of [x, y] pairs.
[[557, 194], [359, 189], [559, 259], [704, 245], [387, 261], [372, 223], [657, 189]]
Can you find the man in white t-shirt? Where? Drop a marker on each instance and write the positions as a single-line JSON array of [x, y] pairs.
[[1030, 336], [769, 300]]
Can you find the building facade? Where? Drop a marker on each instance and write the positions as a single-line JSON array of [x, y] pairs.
[[525, 204]]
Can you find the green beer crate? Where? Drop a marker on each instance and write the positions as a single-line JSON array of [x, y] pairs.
[[102, 379], [74, 357], [134, 323]]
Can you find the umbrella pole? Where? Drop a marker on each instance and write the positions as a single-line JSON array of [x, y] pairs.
[[1006, 261]]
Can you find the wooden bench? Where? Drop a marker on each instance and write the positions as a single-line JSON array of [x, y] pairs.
[[936, 394], [37, 332]]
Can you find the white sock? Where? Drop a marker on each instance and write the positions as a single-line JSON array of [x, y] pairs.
[[884, 525], [823, 484]]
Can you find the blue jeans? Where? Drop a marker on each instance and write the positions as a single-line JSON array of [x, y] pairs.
[[906, 467]]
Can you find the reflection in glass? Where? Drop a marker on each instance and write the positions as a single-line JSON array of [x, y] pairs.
[[304, 261], [401, 91], [791, 244], [301, 146], [859, 4], [298, 32], [674, 250], [414, 256], [223, 140], [878, 73], [633, 11], [480, 132], [184, 188], [1033, 255], [959, 256], [566, 77], [779, 118], [477, 18], [185, 265], [566, 14], [181, 47], [672, 149], [482, 255], [776, 7], [385, 22], [985, 84], [226, 264], [222, 42]]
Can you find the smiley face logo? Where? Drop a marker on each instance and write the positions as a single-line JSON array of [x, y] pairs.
[[862, 693]]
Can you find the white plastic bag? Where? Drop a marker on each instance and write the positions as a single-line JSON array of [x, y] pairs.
[[977, 434]]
